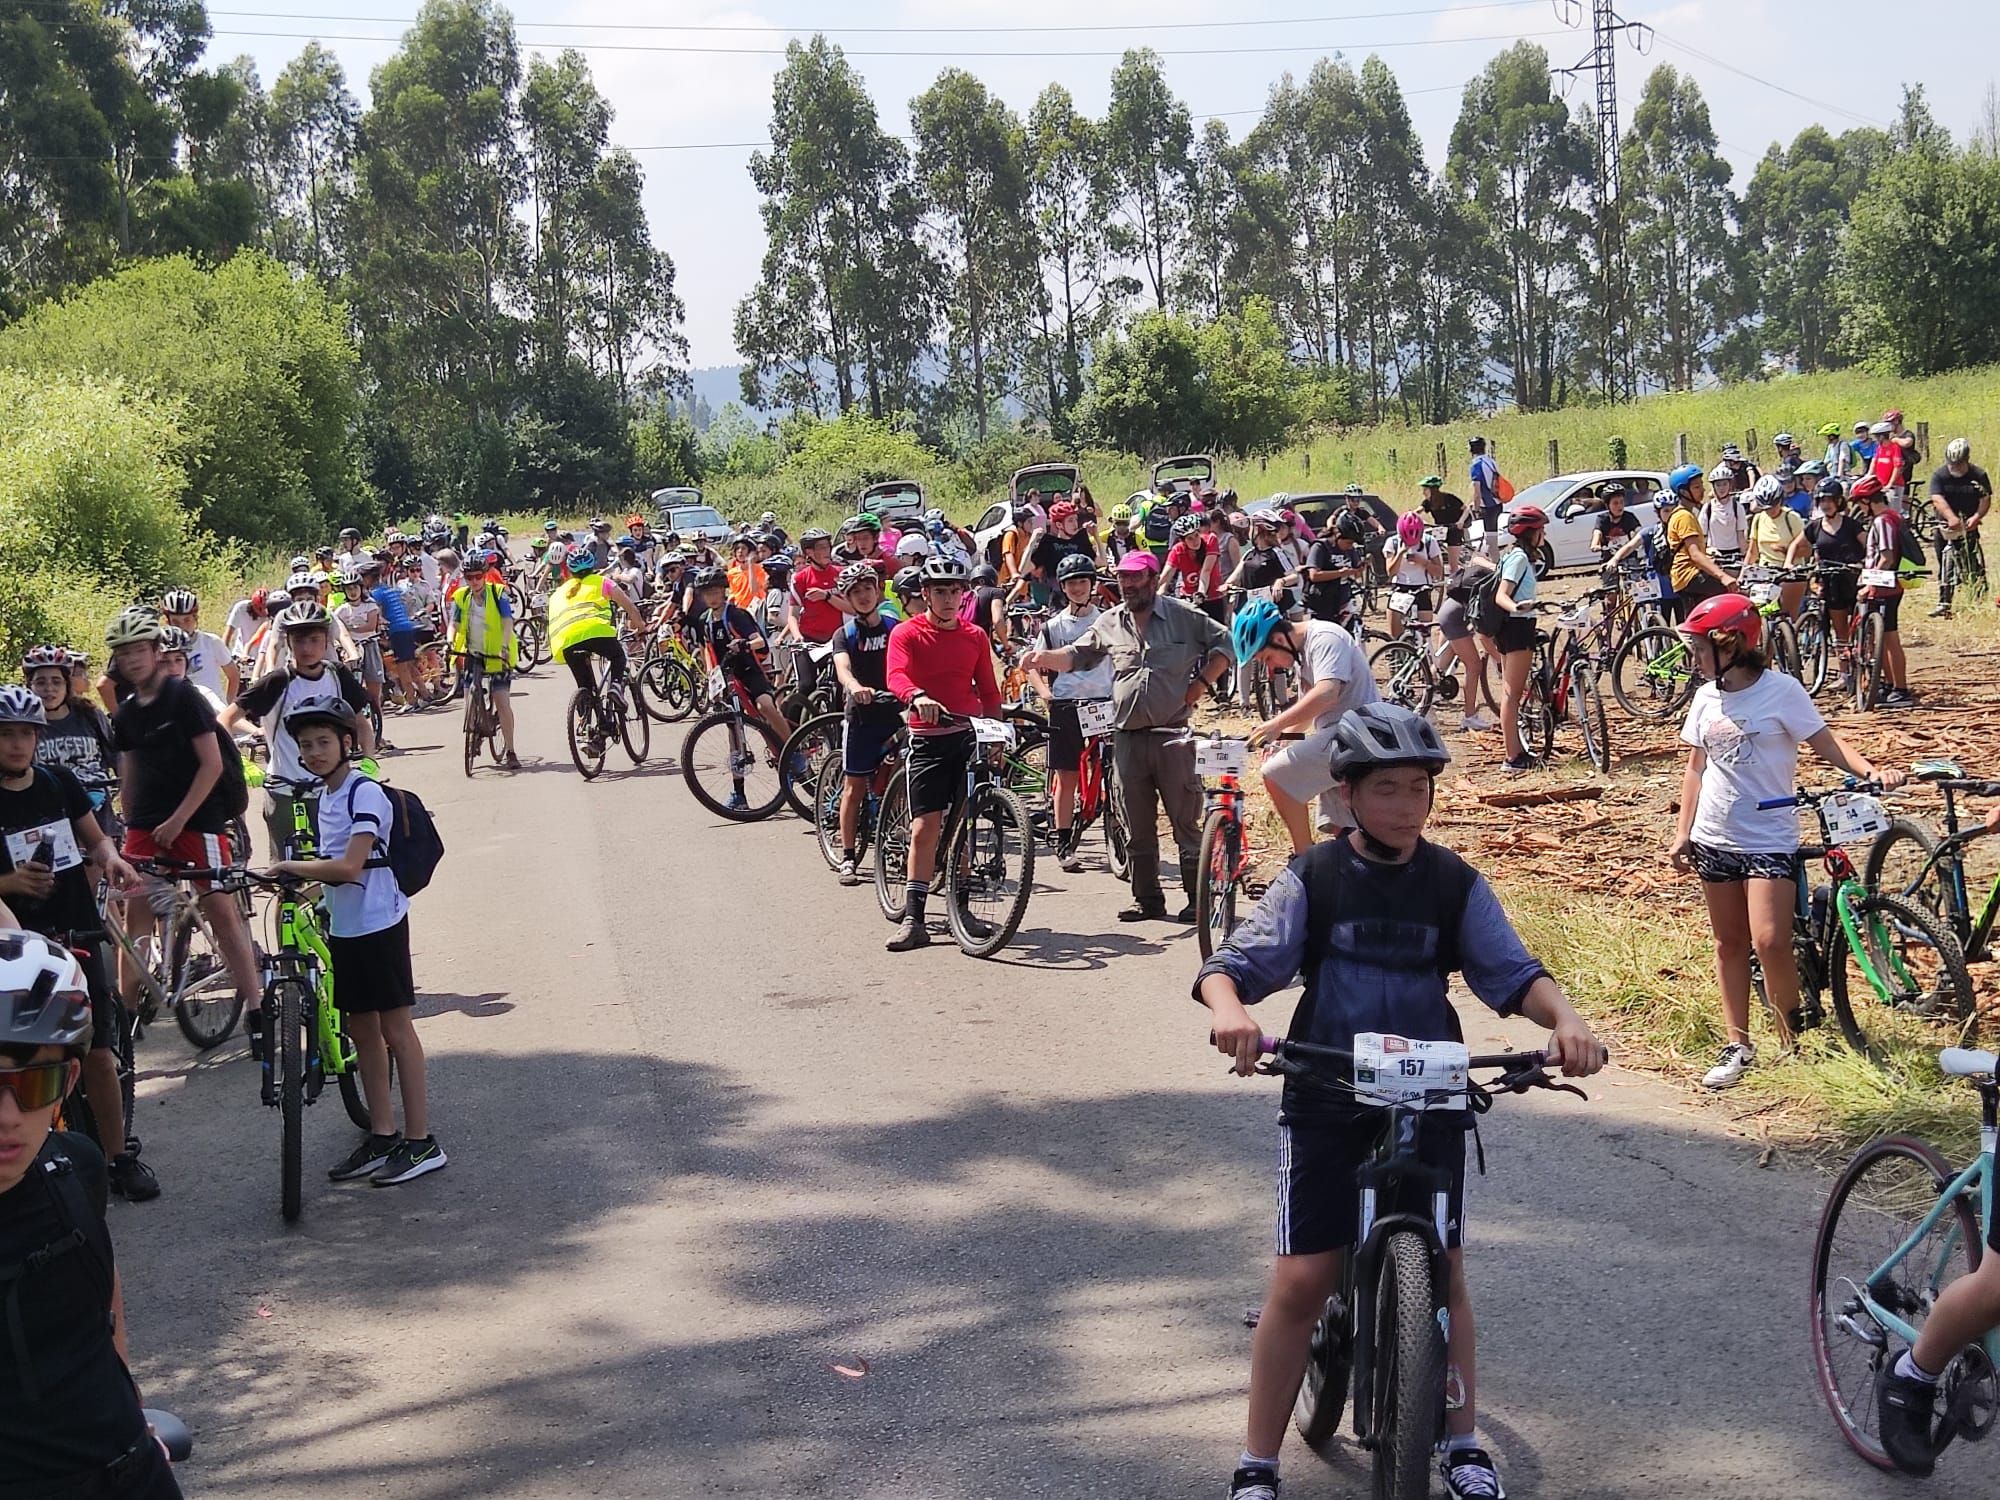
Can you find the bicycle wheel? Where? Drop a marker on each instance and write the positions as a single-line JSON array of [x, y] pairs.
[[1869, 639], [1652, 676], [814, 739], [1812, 647], [77, 1113], [205, 1003], [1586, 701], [1025, 773], [666, 690], [1897, 862], [1403, 675], [1408, 1378], [1262, 702], [892, 848], [990, 871], [474, 740], [730, 762], [1784, 647], [1538, 718], [1323, 1393], [1873, 1210], [534, 639], [1919, 967], [828, 785], [1215, 879], [586, 745], [635, 732], [285, 1006], [1117, 836]]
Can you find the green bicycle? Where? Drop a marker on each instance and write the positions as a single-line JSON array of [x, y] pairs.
[[1897, 1229], [1653, 674], [1912, 862]]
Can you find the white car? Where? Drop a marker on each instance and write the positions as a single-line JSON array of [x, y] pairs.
[[1573, 503], [695, 520]]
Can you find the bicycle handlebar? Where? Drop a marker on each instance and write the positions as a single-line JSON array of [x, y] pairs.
[[1807, 797], [1519, 1071]]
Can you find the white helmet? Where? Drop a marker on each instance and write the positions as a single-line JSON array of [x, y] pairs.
[[1957, 451], [913, 544]]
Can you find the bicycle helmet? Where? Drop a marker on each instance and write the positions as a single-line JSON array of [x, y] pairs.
[[175, 641], [1526, 519], [1430, 482], [985, 575], [908, 584], [300, 563], [1957, 451], [300, 583], [1893, 415], [1687, 474], [1185, 526], [853, 576], [307, 614], [1722, 474], [139, 623], [323, 552], [862, 522], [946, 570], [1723, 616], [335, 713], [1121, 513], [44, 1001], [777, 567], [1880, 429], [179, 602], [1732, 452], [711, 578], [1064, 510], [1830, 488], [913, 544], [1352, 490], [550, 527], [1410, 528], [37, 657], [674, 559], [934, 516], [1378, 736], [1250, 632], [349, 533], [1829, 429], [350, 578], [19, 706], [1812, 468], [814, 536], [1346, 524], [1076, 565], [580, 560], [1868, 487], [1770, 490], [1783, 440]]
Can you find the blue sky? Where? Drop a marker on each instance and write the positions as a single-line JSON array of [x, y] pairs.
[[714, 92]]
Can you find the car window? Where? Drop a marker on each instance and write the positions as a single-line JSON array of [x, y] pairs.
[[1545, 494], [993, 516]]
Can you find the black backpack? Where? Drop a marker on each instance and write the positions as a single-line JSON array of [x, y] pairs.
[[1482, 605], [415, 845]]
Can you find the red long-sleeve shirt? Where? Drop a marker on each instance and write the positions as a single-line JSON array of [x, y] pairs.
[[954, 667]]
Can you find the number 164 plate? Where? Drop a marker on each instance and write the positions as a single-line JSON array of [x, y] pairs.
[[1416, 1075]]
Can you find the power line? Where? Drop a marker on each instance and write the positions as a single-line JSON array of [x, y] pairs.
[[1680, 46]]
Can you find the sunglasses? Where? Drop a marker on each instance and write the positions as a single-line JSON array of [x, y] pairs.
[[38, 1087]]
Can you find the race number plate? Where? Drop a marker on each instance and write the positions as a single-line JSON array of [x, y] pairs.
[[1852, 817], [1402, 601], [1643, 589], [1220, 757], [1416, 1075], [1095, 715], [993, 731], [1575, 619], [1757, 574], [717, 688], [539, 603], [1878, 578], [1434, 535], [1762, 593]]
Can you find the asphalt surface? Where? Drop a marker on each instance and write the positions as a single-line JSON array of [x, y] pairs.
[[709, 1142]]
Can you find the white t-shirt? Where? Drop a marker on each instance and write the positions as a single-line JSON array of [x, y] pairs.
[[207, 656], [1406, 564], [241, 624], [1331, 655], [1063, 631], [1752, 738], [374, 901], [363, 620]]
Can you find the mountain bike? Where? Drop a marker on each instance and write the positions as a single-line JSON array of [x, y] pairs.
[[601, 714], [532, 634], [1765, 588], [1871, 637], [1563, 682], [76, 1113], [1898, 1227], [1883, 961], [1384, 1334], [811, 745], [1819, 649], [179, 964], [1223, 868], [1097, 790], [671, 684], [1653, 674], [828, 785], [1908, 860], [482, 719], [734, 762]]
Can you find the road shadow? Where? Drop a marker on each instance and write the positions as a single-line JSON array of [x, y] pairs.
[[1044, 948], [493, 1003]]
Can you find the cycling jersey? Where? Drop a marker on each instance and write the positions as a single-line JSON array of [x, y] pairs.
[[953, 667], [394, 605], [580, 611]]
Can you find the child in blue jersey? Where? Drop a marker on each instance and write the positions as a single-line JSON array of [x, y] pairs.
[[861, 662], [1375, 921]]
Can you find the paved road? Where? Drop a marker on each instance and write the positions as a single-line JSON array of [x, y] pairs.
[[709, 1141]]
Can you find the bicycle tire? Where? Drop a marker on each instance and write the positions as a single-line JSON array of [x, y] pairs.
[[533, 636], [1261, 693], [1537, 718], [582, 721], [1784, 647], [892, 847], [1896, 860], [1215, 879], [1936, 988], [1812, 648], [206, 1023], [699, 756], [1403, 675], [1895, 1180], [1117, 834], [1408, 1372], [665, 690], [1870, 638], [798, 761], [1587, 702], [77, 1114], [980, 839], [285, 1003], [635, 733], [1322, 1394], [828, 785], [1652, 675], [473, 741]]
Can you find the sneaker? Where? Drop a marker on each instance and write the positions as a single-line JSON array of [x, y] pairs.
[[1942, 612], [1730, 1066], [1069, 850], [1253, 1482], [512, 762], [849, 872], [738, 802], [1143, 913], [1517, 764], [409, 1159], [1469, 1475], [132, 1179], [1477, 723], [912, 934], [1903, 1407], [373, 1151], [1899, 698]]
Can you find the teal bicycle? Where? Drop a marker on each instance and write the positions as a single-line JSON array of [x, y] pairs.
[[1898, 1228]]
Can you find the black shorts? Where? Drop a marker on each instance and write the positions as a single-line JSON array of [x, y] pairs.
[[103, 999], [1697, 588], [1516, 633], [937, 769], [1426, 597], [372, 972], [1065, 736], [748, 672], [1888, 609], [1837, 591], [865, 740], [1319, 1207], [1727, 866]]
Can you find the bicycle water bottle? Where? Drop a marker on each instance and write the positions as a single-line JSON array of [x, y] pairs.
[[1822, 897]]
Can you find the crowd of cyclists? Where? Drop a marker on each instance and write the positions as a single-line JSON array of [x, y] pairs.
[[1105, 630]]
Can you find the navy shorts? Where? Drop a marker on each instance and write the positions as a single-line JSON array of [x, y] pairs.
[[865, 741], [403, 645], [1319, 1167], [1727, 866]]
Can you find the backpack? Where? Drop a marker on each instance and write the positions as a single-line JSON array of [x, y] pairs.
[[415, 845], [1482, 605], [84, 1231], [1503, 488]]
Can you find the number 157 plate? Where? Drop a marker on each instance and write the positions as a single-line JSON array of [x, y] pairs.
[[1416, 1075]]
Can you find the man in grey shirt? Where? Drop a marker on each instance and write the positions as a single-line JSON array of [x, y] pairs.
[[1164, 656]]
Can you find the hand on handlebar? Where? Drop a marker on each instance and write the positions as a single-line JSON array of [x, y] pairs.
[[1237, 1036], [926, 708], [1574, 1047]]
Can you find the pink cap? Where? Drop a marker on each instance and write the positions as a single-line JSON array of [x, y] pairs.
[[1138, 560]]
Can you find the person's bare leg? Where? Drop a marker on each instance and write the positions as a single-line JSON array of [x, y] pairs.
[[1065, 784], [1771, 904], [1729, 917], [232, 936], [365, 1027], [853, 793], [1299, 1287], [1964, 1310], [503, 710], [925, 831], [1460, 1420], [1514, 685], [399, 1035], [1297, 817]]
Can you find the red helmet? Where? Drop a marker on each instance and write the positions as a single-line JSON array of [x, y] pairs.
[[1527, 518], [1062, 510], [1893, 414], [1725, 614], [1867, 487]]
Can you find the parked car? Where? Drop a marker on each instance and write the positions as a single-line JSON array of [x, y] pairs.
[[1178, 473], [1039, 482], [1315, 510], [1573, 503], [896, 500], [693, 520]]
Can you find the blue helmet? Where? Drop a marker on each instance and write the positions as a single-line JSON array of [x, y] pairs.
[[1682, 477], [1251, 631], [581, 560]]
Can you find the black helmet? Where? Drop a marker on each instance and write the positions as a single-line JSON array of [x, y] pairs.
[[708, 578], [44, 1001], [1829, 488], [332, 712], [909, 581], [1378, 735], [1076, 565], [985, 575]]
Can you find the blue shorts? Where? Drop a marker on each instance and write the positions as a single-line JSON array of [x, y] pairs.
[[866, 741], [403, 645]]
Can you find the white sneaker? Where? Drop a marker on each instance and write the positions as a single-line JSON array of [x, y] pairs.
[[1730, 1066], [1477, 723]]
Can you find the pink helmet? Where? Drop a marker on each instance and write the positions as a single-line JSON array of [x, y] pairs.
[[1411, 528]]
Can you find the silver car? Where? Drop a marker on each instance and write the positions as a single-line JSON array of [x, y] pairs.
[[1574, 502]]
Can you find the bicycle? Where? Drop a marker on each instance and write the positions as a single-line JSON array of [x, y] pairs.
[[1765, 588], [1912, 862], [1819, 648], [482, 719], [1223, 866], [671, 685], [179, 965], [828, 785], [75, 1111], [600, 714], [1919, 1226], [1563, 680], [1653, 674], [1871, 636], [1900, 955], [1384, 1334], [732, 747], [986, 835], [1097, 792], [532, 636]]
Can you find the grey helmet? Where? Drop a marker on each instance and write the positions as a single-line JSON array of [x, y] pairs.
[[946, 570], [1385, 734]]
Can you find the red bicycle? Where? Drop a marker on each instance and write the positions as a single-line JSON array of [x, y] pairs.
[[1097, 791]]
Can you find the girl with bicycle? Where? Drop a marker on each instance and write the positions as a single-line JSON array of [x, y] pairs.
[[1743, 733], [1832, 537], [1885, 555], [1515, 636], [1415, 564]]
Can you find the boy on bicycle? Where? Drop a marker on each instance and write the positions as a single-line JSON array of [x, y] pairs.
[[861, 663], [483, 639], [737, 644], [1376, 921]]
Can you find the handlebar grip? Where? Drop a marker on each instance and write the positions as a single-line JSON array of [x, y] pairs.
[[1770, 802]]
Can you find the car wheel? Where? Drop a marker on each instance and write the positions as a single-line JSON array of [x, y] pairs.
[[1545, 560]]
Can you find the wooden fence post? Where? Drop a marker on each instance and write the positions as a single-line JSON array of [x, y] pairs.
[[1392, 460], [1440, 460], [1680, 449], [1309, 460], [1750, 443], [1555, 463], [1263, 463], [1923, 439]]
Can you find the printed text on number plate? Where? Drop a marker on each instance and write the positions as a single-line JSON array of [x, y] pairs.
[[1095, 715], [1220, 757], [1878, 578], [1402, 601], [993, 731], [1416, 1075], [1853, 816], [716, 686], [1643, 590]]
